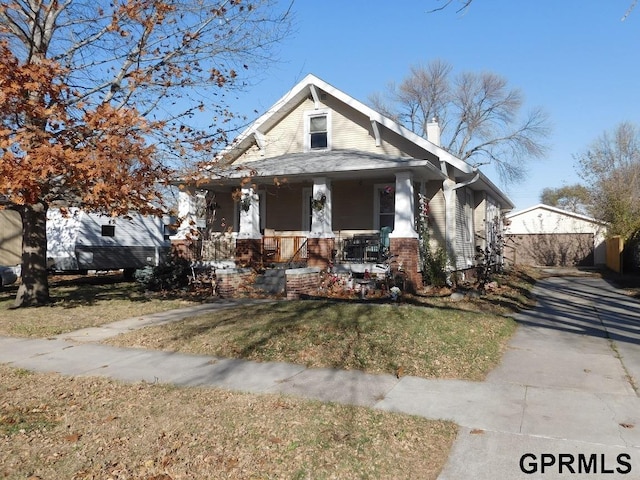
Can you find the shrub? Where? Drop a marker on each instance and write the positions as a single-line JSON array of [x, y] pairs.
[[172, 274], [434, 267]]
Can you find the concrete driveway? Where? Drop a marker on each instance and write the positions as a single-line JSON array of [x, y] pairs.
[[574, 363]]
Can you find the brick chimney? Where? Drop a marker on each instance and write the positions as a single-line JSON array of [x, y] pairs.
[[433, 132]]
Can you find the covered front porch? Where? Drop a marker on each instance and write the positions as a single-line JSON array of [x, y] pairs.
[[323, 211]]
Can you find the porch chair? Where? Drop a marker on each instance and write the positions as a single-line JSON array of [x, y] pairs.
[[385, 244]]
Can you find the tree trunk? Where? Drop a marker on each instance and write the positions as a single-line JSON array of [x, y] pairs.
[[34, 289]]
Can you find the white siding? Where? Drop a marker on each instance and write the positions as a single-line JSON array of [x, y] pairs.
[[62, 236], [547, 220], [349, 130], [465, 232], [139, 231], [72, 238]]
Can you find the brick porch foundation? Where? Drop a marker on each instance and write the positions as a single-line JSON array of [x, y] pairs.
[[320, 252], [406, 251], [230, 281], [302, 281]]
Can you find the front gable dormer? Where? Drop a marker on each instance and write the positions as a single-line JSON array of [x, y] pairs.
[[316, 117]]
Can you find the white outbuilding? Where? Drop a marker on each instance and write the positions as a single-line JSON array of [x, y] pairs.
[[543, 235]]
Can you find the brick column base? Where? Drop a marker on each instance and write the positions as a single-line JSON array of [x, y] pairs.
[[406, 252], [230, 281], [248, 252], [302, 281], [320, 252]]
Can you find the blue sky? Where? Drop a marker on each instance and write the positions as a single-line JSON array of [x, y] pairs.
[[574, 58]]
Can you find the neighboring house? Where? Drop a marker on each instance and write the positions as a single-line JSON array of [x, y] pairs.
[[10, 238], [323, 178], [545, 235], [10, 246], [81, 241]]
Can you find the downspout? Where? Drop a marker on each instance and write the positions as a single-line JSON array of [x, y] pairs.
[[449, 188]]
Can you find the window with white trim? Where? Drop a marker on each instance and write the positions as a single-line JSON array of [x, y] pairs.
[[318, 130], [384, 203]]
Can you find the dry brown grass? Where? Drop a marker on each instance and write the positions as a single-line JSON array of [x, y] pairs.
[[80, 302], [426, 342], [54, 427], [427, 335]]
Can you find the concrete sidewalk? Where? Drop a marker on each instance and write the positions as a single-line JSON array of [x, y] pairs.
[[565, 385]]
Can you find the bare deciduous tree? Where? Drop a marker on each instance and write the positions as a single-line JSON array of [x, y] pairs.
[[479, 115], [611, 169], [573, 198]]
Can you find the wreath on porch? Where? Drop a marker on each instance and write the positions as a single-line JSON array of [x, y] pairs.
[[318, 203], [245, 202]]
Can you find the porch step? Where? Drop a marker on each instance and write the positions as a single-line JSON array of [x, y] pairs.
[[272, 281]]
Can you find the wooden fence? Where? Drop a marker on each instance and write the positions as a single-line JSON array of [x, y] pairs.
[[615, 246]]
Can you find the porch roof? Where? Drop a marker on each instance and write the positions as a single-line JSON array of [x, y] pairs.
[[332, 164]]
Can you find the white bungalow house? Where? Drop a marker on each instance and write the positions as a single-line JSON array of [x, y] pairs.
[[323, 178], [543, 235]]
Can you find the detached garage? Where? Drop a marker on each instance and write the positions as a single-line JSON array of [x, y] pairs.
[[546, 236]]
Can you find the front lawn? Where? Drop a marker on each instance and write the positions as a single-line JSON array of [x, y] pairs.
[[64, 427], [80, 302], [434, 342]]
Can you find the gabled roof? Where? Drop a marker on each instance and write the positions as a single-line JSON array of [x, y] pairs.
[[559, 211], [312, 85]]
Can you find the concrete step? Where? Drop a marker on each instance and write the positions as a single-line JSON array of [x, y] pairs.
[[272, 281]]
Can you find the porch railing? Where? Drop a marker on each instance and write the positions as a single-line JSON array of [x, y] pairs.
[[284, 249], [218, 248], [362, 247]]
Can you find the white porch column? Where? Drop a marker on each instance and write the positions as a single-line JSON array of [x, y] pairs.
[[249, 214], [404, 219], [187, 215], [321, 209]]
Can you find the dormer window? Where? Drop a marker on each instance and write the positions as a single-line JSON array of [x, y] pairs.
[[317, 130]]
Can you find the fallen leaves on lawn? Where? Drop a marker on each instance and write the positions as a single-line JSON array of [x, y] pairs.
[[87, 428]]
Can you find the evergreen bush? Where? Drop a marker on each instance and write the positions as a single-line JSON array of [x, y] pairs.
[[172, 274]]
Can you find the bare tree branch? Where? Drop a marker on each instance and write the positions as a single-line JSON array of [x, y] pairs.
[[628, 12], [611, 169], [479, 115], [466, 3]]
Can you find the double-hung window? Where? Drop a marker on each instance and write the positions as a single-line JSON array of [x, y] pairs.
[[384, 204], [317, 130]]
